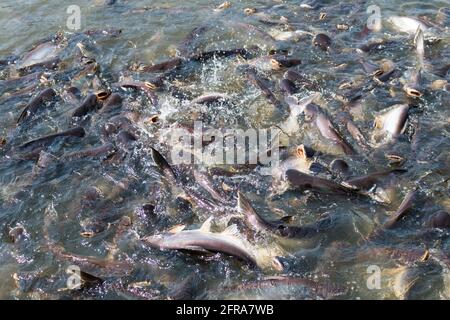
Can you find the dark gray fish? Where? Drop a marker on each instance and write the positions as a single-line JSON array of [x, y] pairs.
[[90, 104], [163, 165], [288, 86], [113, 102], [402, 210], [322, 41], [353, 129], [386, 76], [300, 80], [187, 46], [414, 86], [255, 79], [440, 219], [371, 68], [302, 180], [368, 181], [326, 127], [257, 222], [103, 151], [208, 55], [280, 62], [204, 181], [47, 140], [33, 106], [324, 290], [163, 66]]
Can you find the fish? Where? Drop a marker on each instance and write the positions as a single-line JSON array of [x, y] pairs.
[[163, 165], [420, 47], [256, 80], [33, 106], [300, 80], [302, 180], [187, 46], [89, 104], [353, 129], [113, 102], [326, 128], [163, 66], [210, 98], [414, 86], [408, 25], [49, 139], [44, 53], [366, 182], [372, 69], [314, 288], [288, 86], [440, 219], [393, 120], [340, 167], [402, 210], [257, 222], [103, 151], [418, 281], [204, 181], [296, 107], [203, 240], [322, 41]]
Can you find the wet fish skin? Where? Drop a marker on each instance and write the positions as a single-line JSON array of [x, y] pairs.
[[402, 210], [103, 151], [114, 101], [46, 140], [288, 86], [322, 41], [185, 47], [414, 86], [326, 127], [164, 66], [440, 219], [201, 241], [367, 181], [393, 121], [33, 106], [256, 221], [253, 76], [301, 180], [163, 165], [90, 104]]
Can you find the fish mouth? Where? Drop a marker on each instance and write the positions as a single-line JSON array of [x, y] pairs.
[[150, 86], [412, 92], [103, 95]]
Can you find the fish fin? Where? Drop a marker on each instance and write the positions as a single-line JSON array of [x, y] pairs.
[[244, 205], [206, 226], [176, 228], [420, 48], [232, 230]]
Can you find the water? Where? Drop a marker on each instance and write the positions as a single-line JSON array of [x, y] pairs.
[[52, 204]]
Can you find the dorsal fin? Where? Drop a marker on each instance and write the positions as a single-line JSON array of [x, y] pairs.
[[177, 228], [231, 230], [206, 226]]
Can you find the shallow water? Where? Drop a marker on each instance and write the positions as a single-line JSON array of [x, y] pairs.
[[51, 202]]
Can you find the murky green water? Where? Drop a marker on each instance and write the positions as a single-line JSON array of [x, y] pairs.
[[93, 211]]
